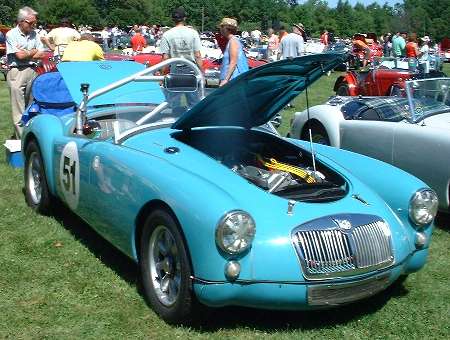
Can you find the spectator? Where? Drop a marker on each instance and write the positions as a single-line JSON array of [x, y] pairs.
[[399, 45], [412, 51], [273, 44], [138, 41], [115, 33], [181, 42], [59, 37], [23, 48], [324, 38], [424, 53], [86, 49], [292, 45], [387, 45], [282, 33], [104, 34], [41, 32], [359, 44], [256, 36], [234, 61]]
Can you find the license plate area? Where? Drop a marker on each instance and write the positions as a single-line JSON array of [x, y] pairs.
[[342, 293]]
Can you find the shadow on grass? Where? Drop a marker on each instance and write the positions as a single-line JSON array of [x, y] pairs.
[[227, 317], [443, 221], [101, 248]]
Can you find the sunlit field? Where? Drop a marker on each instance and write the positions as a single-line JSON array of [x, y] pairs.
[[59, 279]]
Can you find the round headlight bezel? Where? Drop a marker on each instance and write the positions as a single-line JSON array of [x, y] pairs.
[[223, 229], [422, 197]]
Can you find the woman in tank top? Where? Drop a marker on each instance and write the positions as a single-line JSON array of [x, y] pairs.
[[234, 61]]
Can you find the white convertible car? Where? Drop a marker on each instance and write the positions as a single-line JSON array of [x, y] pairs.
[[411, 132]]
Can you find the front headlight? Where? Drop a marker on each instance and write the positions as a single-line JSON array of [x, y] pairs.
[[235, 232], [423, 207]]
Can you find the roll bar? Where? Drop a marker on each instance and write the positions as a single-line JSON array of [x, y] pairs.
[[139, 76]]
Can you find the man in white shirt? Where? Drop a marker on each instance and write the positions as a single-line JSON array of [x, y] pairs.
[[181, 42], [292, 45]]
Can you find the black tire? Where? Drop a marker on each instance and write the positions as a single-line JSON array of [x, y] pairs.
[[395, 91], [343, 90], [161, 273], [37, 195], [319, 135]]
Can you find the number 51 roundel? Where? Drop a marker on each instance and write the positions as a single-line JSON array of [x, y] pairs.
[[69, 174]]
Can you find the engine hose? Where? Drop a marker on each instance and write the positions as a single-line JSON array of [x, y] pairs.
[[275, 165]]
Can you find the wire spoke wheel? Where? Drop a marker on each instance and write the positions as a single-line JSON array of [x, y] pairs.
[[34, 183], [165, 266]]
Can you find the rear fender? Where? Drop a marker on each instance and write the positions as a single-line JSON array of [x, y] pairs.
[[44, 128]]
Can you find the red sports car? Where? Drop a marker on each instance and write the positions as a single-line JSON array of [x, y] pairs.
[[386, 78]]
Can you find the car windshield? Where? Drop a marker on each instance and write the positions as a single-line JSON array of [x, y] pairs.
[[428, 97], [391, 63], [142, 100]]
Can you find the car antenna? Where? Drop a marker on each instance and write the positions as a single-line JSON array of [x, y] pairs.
[[309, 128]]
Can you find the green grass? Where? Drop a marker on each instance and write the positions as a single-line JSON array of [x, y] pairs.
[[58, 279]]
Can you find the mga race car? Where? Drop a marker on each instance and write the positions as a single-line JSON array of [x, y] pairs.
[[215, 210]]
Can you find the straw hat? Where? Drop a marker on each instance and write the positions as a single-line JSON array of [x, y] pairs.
[[228, 22], [299, 26]]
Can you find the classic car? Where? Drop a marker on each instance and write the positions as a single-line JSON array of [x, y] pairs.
[[215, 210], [444, 49], [409, 132], [386, 77]]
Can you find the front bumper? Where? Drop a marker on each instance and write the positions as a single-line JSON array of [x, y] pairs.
[[304, 295]]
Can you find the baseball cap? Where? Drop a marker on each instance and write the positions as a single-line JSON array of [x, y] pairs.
[[179, 13]]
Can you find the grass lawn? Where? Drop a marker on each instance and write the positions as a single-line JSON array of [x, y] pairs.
[[59, 279]]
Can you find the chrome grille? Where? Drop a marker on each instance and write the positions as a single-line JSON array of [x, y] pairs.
[[327, 250]]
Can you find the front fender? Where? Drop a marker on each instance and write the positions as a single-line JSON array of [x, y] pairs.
[[392, 184], [44, 128]]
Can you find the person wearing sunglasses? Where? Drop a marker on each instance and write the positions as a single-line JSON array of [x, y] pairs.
[[23, 50]]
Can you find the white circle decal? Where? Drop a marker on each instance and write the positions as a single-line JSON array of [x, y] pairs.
[[69, 174]]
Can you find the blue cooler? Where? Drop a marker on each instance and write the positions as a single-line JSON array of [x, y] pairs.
[[14, 155]]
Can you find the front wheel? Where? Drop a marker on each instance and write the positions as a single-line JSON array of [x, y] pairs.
[[166, 270], [36, 189]]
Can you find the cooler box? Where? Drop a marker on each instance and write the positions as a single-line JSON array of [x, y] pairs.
[[13, 153]]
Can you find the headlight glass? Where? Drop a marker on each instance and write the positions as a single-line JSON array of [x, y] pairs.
[[235, 232], [423, 207]]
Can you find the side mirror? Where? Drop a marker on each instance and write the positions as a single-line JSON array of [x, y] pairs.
[[180, 83]]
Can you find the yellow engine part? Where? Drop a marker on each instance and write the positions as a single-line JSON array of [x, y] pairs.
[[275, 165]]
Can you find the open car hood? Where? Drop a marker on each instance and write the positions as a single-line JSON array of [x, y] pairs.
[[254, 97], [99, 74]]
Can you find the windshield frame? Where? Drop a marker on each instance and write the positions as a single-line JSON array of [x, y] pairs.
[[417, 112], [146, 75]]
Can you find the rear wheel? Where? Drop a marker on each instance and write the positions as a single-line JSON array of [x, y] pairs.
[[36, 189], [166, 270], [343, 90]]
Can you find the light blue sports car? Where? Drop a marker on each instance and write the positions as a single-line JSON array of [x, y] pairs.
[[216, 210]]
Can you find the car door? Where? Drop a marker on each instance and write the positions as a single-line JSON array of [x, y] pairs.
[[71, 167], [368, 135]]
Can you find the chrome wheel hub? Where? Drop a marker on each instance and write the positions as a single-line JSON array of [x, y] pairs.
[[165, 267], [34, 176]]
